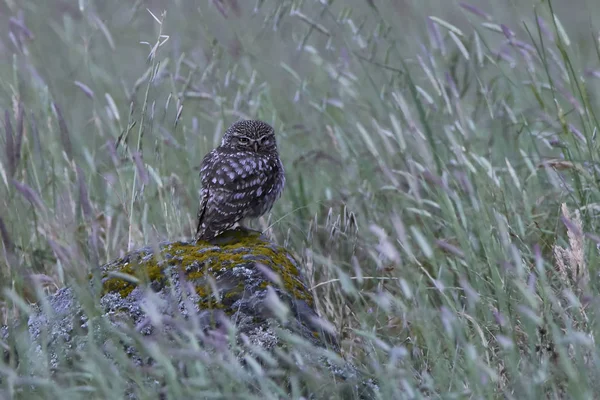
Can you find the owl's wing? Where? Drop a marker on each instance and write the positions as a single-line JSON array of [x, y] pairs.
[[230, 185], [201, 211]]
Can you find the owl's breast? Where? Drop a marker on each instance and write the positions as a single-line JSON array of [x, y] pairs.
[[270, 189]]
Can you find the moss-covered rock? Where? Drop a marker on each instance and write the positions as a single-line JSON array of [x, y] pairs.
[[230, 258], [179, 290], [230, 274]]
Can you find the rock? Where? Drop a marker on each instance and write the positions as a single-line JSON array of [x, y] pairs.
[[239, 280], [228, 276]]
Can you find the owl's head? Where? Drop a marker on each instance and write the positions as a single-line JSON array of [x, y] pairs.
[[250, 135]]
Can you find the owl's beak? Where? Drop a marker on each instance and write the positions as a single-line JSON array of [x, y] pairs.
[[256, 146]]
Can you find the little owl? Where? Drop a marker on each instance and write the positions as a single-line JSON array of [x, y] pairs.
[[241, 178]]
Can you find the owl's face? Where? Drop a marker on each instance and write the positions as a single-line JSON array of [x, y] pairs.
[[250, 135]]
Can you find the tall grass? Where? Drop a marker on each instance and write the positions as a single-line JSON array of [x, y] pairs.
[[442, 179]]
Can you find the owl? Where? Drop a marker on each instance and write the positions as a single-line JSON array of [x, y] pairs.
[[242, 178]]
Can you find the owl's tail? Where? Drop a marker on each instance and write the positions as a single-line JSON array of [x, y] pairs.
[[208, 232]]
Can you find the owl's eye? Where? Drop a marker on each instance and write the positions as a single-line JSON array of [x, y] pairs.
[[263, 141], [243, 140]]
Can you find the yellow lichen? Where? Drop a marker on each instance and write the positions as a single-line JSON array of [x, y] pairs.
[[200, 260]]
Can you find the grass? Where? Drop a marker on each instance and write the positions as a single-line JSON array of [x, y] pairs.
[[442, 180]]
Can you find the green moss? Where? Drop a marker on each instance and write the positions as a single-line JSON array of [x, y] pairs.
[[198, 261], [145, 271]]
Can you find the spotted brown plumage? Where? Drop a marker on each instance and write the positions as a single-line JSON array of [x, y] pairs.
[[242, 178]]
